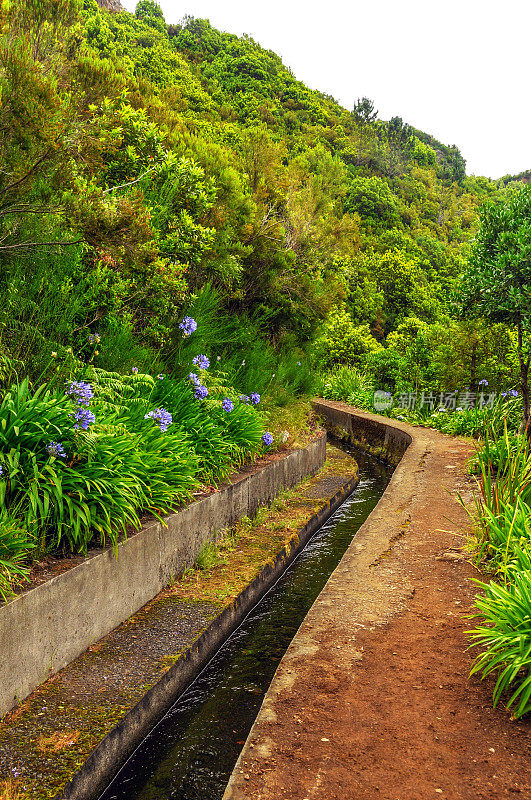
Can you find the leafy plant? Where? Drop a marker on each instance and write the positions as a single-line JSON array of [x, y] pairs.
[[506, 640], [149, 444], [347, 383], [15, 544]]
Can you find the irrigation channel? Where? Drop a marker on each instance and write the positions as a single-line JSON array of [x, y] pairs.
[[192, 751]]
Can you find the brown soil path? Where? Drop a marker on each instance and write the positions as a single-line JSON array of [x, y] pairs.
[[372, 699]]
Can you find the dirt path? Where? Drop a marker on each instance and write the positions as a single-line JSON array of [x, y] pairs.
[[373, 700]]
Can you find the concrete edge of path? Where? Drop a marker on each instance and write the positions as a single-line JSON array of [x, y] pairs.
[[355, 595]]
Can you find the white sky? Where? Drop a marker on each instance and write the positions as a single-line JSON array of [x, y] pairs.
[[458, 69]]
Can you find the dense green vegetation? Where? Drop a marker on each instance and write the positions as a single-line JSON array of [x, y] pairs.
[[153, 174], [159, 158]]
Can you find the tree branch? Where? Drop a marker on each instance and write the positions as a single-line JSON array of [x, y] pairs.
[[28, 210], [124, 185], [39, 244], [27, 175]]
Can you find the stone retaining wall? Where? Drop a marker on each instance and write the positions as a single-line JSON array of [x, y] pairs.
[[44, 629]]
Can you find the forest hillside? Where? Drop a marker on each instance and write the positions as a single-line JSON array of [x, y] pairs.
[[152, 168]]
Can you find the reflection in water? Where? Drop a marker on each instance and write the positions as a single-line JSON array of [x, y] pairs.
[[191, 753]]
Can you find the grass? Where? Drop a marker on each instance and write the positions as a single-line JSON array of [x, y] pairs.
[[294, 425], [348, 384], [209, 557]]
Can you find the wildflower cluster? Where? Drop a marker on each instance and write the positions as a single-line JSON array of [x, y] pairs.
[[267, 439], [82, 394], [227, 404], [83, 418], [134, 370], [188, 326], [200, 391], [162, 417], [253, 398], [94, 338], [56, 449], [201, 361]]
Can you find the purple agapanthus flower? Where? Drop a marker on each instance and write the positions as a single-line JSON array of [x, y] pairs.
[[201, 361], [1, 470], [254, 397], [194, 379], [134, 370], [503, 394], [513, 393], [200, 392], [188, 326], [267, 439], [160, 377], [80, 391], [483, 382], [162, 417], [56, 449], [84, 418], [244, 398], [227, 404]]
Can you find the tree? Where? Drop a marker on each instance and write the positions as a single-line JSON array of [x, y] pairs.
[[497, 282], [364, 110], [151, 13], [342, 342]]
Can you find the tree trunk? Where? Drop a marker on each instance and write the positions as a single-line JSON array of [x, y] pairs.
[[524, 370]]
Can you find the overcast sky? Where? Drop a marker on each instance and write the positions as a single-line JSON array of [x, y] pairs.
[[456, 69]]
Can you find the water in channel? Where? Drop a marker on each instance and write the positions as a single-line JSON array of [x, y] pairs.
[[191, 753]]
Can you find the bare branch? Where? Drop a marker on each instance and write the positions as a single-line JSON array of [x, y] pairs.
[[28, 210], [124, 185], [39, 244]]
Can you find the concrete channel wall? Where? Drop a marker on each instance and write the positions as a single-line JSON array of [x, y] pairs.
[[114, 750], [373, 436], [381, 439], [44, 629], [336, 606]]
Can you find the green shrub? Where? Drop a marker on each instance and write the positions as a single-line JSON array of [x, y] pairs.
[[343, 342], [346, 383]]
